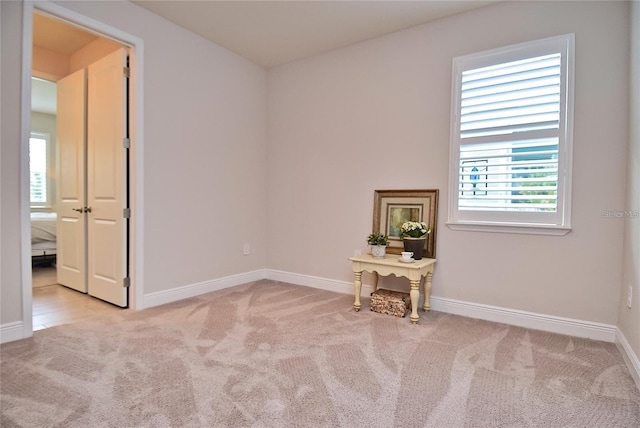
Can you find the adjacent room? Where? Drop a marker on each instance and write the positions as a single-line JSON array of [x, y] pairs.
[[257, 164]]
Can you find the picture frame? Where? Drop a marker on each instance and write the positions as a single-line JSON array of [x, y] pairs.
[[391, 208]]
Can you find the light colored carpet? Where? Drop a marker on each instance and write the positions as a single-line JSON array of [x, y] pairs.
[[270, 354]]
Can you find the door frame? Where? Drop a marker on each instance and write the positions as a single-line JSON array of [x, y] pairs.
[[136, 158]]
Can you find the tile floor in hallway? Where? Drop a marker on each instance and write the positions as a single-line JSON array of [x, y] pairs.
[[54, 304]]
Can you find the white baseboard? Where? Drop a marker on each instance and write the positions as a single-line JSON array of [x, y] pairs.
[[553, 324], [630, 358], [12, 331], [532, 320], [162, 297], [310, 281]]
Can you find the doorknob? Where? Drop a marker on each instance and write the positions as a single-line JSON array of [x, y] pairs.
[[78, 209], [87, 209]]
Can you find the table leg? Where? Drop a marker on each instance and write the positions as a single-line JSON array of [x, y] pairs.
[[374, 280], [357, 284], [414, 294], [427, 292]]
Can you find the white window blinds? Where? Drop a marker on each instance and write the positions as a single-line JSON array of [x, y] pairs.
[[509, 134], [507, 98]]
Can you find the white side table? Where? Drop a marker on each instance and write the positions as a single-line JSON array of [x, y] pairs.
[[391, 264]]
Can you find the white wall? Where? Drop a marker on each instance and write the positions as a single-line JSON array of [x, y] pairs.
[[205, 153], [375, 115], [629, 319], [10, 286]]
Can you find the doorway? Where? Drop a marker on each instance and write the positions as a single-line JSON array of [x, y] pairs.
[[135, 45], [65, 170]]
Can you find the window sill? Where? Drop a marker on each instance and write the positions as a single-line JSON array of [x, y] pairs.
[[527, 229]]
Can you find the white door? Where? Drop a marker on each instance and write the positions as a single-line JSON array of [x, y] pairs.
[[70, 142], [106, 178]]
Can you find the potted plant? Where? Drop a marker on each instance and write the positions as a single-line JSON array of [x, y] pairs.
[[378, 242], [414, 234]]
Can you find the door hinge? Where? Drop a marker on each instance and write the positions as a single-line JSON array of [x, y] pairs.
[[125, 71], [126, 213], [126, 142], [126, 282]]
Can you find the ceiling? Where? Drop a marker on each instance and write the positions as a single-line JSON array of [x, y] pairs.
[[268, 33], [58, 36], [271, 33]]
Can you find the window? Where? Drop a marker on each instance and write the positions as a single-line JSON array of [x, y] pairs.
[[512, 119], [39, 189]]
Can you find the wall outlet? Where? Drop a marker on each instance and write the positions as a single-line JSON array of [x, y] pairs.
[[629, 296], [246, 249]]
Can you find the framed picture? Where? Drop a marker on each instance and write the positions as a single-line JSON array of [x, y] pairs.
[[391, 208]]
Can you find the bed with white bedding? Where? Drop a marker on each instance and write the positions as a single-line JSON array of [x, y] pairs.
[[43, 238]]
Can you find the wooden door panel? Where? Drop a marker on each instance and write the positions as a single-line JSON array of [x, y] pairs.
[[70, 243], [105, 151], [105, 267], [70, 182], [71, 159], [106, 184]]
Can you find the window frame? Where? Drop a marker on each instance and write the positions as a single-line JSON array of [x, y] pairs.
[[546, 223], [48, 204]]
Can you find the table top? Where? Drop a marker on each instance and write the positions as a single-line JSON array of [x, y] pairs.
[[392, 260]]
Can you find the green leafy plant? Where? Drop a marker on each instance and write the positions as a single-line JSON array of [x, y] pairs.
[[378, 238], [414, 229]]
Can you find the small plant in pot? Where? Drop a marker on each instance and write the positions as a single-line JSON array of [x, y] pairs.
[[378, 242]]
